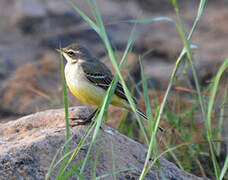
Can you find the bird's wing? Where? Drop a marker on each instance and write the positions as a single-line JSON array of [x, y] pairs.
[[100, 75]]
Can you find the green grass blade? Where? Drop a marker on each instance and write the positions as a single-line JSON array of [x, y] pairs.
[[78, 148], [53, 164], [73, 170], [173, 75], [106, 101], [64, 165], [150, 20], [104, 37], [96, 158], [66, 116], [221, 120], [190, 56], [92, 9], [152, 146], [65, 105], [201, 7], [113, 159], [178, 162], [224, 169], [187, 46], [51, 168], [104, 106], [118, 71], [128, 48], [213, 91], [169, 150], [146, 97]]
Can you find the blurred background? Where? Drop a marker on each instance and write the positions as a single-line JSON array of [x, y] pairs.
[[30, 30]]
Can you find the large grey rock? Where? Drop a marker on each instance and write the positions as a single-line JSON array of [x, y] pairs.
[[28, 145]]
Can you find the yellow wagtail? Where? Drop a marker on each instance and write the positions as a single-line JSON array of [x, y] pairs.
[[88, 79]]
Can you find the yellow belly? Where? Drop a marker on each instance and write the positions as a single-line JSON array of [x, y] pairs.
[[85, 90], [94, 95]]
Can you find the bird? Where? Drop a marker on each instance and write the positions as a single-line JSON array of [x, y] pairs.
[[88, 79]]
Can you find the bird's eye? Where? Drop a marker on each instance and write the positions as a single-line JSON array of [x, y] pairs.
[[71, 53]]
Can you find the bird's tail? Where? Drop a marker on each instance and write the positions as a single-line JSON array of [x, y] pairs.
[[144, 116]]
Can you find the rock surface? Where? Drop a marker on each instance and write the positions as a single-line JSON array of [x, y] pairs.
[[28, 145]]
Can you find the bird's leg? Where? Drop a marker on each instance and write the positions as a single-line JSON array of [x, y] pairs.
[[83, 121]]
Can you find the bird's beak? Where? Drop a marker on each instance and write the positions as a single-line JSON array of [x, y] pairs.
[[59, 50]]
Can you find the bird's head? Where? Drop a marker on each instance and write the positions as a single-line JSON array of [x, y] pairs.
[[74, 52]]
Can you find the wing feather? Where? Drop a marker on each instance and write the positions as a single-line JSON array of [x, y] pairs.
[[105, 82], [101, 76]]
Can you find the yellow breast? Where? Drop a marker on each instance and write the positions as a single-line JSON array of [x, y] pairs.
[[87, 91], [87, 94]]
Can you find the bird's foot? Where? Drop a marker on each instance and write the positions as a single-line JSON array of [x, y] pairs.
[[79, 121], [82, 121]]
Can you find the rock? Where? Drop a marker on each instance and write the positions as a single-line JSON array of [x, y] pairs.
[[28, 145], [26, 8]]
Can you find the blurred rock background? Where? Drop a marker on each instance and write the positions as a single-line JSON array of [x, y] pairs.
[[30, 31]]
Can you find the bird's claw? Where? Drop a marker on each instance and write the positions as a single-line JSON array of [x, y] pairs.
[[79, 121]]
